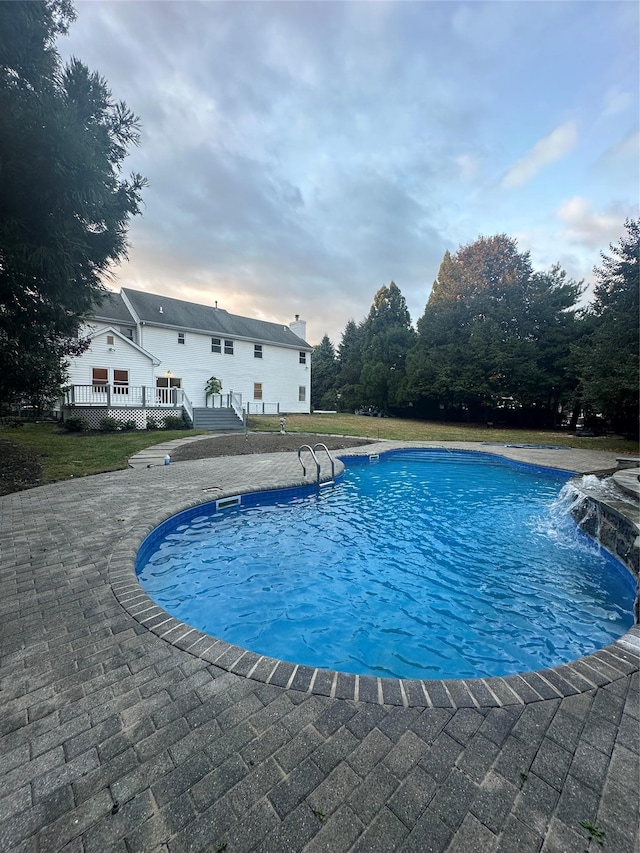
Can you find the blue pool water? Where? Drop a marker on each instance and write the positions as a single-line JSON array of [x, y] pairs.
[[426, 564]]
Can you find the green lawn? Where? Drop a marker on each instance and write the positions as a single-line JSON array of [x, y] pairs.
[[63, 455], [412, 430], [67, 454]]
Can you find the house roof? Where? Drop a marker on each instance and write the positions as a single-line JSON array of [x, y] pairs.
[[112, 309], [177, 314]]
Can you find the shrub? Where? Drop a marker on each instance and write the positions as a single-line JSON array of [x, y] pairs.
[[109, 425], [151, 424], [129, 425], [173, 422], [76, 424]]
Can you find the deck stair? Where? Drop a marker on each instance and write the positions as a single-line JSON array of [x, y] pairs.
[[216, 420]]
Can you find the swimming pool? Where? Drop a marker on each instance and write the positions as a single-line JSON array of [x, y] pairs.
[[422, 565]]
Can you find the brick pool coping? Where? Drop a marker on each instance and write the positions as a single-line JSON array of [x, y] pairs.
[[617, 660]]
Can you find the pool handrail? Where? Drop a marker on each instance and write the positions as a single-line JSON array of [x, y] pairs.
[[314, 457], [312, 451], [321, 446]]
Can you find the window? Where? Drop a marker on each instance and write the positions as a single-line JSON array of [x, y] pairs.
[[121, 381], [303, 358], [257, 390], [216, 345], [100, 378], [257, 350], [302, 393], [168, 382], [127, 331], [228, 347], [180, 337], [110, 340]]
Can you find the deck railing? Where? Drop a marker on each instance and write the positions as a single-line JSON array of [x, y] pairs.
[[258, 408], [187, 405], [231, 400], [119, 396], [236, 405]]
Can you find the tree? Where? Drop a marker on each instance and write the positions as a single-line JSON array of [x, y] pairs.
[[64, 208], [349, 361], [323, 375], [387, 336], [495, 334], [608, 354]]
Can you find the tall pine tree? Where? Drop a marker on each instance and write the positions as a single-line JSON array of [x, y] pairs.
[[387, 336], [64, 207], [609, 354], [349, 360], [324, 374]]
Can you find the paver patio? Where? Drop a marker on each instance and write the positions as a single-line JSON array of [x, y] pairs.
[[113, 738]]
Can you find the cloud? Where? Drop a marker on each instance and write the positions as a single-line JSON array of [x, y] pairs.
[[616, 102], [557, 144], [468, 167], [625, 154], [590, 228], [300, 155], [486, 27]]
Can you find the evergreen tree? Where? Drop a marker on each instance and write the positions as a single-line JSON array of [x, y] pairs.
[[609, 353], [323, 375], [64, 208], [387, 336], [349, 362]]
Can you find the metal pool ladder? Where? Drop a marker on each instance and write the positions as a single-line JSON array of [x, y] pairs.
[[312, 451]]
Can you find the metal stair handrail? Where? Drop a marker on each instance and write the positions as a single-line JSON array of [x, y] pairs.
[[313, 456], [321, 446], [312, 451]]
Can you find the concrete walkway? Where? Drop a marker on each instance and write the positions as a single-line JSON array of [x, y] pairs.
[[122, 733], [155, 455]]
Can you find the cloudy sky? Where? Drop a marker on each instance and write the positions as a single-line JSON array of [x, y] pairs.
[[302, 154]]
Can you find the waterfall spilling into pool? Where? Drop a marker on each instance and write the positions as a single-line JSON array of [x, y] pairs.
[[574, 500], [609, 515], [424, 564]]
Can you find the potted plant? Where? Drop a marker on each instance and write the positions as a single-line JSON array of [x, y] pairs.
[[213, 386]]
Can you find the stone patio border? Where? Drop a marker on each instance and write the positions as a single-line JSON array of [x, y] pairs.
[[602, 667]]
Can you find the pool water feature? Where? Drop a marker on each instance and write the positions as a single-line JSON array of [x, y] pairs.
[[424, 564]]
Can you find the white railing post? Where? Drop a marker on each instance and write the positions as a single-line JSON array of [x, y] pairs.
[[187, 405], [235, 402]]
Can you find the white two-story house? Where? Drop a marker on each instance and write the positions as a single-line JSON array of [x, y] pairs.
[[149, 354]]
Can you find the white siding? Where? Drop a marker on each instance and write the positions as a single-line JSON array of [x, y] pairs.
[[121, 356], [278, 370]]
